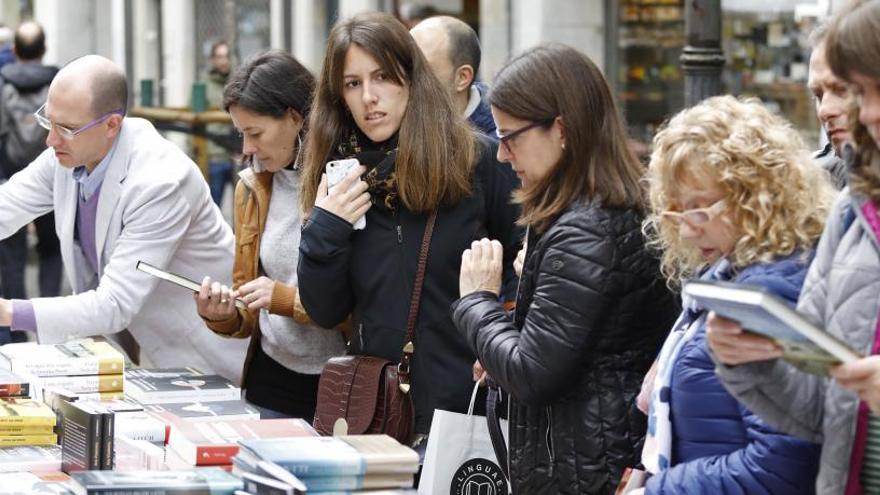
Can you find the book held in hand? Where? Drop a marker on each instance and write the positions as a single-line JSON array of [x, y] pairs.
[[804, 344], [177, 280]]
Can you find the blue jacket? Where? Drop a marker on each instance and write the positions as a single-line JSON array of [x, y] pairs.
[[482, 116], [719, 446]]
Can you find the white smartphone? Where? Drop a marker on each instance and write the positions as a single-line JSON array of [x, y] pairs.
[[337, 170]]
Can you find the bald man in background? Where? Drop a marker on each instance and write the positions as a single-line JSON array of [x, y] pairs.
[[452, 49], [121, 193]]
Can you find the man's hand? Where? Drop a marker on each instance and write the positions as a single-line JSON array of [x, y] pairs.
[[481, 267], [257, 293], [862, 377], [5, 312], [733, 346]]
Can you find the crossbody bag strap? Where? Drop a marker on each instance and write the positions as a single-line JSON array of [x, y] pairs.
[[408, 346]]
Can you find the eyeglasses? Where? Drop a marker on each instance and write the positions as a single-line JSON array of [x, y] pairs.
[[65, 132], [506, 140], [697, 216]]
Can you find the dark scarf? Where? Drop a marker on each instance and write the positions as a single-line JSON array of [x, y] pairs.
[[379, 158]]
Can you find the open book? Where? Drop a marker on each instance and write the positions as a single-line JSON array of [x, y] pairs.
[[805, 345], [178, 280]]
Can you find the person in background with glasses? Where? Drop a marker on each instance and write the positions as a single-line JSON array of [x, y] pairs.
[[734, 197], [592, 308], [121, 194]]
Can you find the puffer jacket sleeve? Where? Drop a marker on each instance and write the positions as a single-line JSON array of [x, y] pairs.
[[773, 389], [324, 253], [772, 463], [571, 296]]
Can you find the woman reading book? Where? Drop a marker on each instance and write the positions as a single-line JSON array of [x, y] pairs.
[[840, 294], [269, 99], [734, 197]]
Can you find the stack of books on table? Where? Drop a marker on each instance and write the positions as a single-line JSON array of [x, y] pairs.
[[86, 367], [215, 443], [25, 421], [325, 464]]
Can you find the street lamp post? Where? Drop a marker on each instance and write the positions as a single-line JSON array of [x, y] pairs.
[[702, 58]]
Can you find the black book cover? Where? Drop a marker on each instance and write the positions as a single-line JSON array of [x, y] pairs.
[[81, 437]]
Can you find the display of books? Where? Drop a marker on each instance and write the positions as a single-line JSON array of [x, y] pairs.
[[181, 389], [206, 443], [204, 411], [141, 425], [214, 481], [83, 438], [803, 343], [77, 357], [30, 458]]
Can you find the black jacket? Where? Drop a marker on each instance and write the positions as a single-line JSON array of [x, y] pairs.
[[591, 314], [370, 274]]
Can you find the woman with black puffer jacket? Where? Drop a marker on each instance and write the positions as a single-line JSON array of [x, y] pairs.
[[592, 308]]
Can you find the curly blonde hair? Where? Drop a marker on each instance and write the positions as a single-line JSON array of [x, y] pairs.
[[777, 198]]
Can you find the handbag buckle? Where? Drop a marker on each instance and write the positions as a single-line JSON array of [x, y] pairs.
[[403, 377]]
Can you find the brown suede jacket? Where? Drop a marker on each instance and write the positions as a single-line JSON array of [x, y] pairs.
[[252, 196]]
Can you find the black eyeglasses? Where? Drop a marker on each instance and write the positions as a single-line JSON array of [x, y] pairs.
[[506, 139]]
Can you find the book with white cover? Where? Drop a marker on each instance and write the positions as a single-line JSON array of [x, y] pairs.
[[757, 310], [77, 357]]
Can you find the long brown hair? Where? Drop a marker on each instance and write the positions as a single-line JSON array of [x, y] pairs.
[[556, 80], [853, 45], [436, 146]]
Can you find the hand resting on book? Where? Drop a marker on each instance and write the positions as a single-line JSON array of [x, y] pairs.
[[733, 346]]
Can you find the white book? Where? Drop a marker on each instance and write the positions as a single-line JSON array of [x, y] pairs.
[[757, 310], [77, 357]]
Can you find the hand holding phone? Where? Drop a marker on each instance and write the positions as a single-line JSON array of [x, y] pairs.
[[336, 171]]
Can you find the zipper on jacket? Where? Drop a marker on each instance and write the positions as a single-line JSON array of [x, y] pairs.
[[549, 438], [361, 336], [399, 233]]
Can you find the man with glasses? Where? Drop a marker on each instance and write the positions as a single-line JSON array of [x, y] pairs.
[[121, 193]]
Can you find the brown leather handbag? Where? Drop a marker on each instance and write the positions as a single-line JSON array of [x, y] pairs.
[[371, 394]]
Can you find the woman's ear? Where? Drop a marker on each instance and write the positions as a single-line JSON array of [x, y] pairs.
[[298, 119], [559, 130]]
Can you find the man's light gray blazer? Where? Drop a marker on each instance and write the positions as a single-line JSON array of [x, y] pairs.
[[154, 206]]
